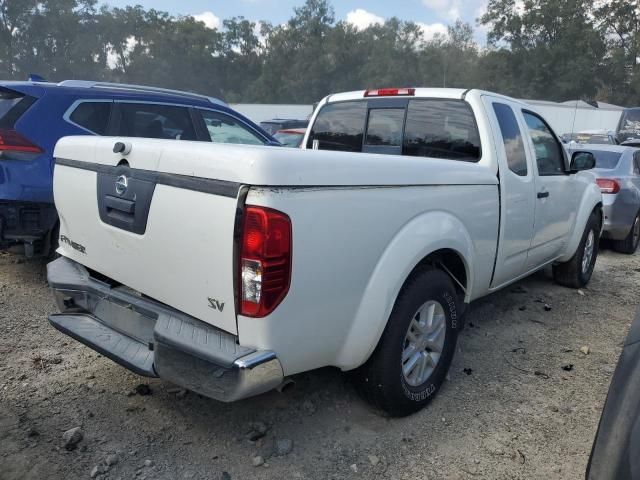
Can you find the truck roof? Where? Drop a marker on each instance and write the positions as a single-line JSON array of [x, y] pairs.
[[418, 92]]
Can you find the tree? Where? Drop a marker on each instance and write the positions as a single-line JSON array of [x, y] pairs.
[[546, 49], [552, 48], [13, 16], [619, 23]]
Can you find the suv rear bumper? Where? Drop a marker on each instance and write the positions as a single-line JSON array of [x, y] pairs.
[[154, 340], [25, 222]]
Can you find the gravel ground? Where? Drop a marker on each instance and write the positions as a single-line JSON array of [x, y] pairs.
[[495, 417]]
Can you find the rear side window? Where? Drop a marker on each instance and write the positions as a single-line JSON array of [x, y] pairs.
[[385, 127], [339, 126], [441, 129], [155, 121], [512, 138], [225, 129], [12, 105], [93, 116], [8, 99]]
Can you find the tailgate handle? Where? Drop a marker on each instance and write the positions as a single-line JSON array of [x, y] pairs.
[[120, 204]]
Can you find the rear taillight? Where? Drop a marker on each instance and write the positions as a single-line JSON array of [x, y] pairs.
[[390, 92], [14, 145], [265, 260], [608, 185]]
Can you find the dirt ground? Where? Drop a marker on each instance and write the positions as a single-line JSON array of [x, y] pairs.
[[495, 418]]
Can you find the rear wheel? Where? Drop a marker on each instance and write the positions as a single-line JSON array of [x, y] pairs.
[[415, 351], [630, 244], [577, 272], [52, 242]]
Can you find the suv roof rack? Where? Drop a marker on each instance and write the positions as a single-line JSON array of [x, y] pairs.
[[137, 88]]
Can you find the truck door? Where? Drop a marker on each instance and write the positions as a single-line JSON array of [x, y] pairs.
[[555, 207], [517, 190]]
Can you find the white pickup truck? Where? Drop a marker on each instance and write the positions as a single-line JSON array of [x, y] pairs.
[[226, 268]]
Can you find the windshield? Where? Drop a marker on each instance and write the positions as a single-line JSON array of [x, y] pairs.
[[593, 138], [629, 125]]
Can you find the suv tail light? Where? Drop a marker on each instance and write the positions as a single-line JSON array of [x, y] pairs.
[[390, 92], [265, 260], [15, 146], [608, 185]]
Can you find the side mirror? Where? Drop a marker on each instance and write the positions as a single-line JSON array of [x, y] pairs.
[[582, 161]]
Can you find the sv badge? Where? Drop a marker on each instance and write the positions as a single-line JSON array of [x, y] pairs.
[[215, 304]]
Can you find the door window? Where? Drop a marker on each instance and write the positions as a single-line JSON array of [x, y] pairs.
[[339, 126], [549, 156], [385, 127], [155, 121], [512, 138], [92, 116], [225, 129]]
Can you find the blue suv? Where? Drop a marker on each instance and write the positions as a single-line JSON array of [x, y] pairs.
[[34, 115]]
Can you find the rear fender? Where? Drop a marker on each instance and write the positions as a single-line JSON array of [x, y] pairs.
[[591, 198], [419, 238]]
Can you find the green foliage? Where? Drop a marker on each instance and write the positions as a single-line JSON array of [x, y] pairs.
[[547, 49]]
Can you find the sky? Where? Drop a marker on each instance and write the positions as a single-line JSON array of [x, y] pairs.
[[432, 15]]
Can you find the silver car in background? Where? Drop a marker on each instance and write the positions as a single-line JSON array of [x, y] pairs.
[[618, 176]]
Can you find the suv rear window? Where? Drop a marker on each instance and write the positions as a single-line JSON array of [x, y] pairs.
[[93, 116], [155, 121], [438, 128], [604, 159]]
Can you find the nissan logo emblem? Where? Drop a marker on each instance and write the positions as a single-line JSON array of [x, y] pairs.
[[121, 185]]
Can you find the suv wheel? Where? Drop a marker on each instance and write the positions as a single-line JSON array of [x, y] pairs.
[[415, 351]]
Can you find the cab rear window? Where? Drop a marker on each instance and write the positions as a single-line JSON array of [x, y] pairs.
[[436, 128], [441, 128], [339, 126]]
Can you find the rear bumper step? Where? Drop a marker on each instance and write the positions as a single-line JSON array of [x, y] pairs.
[[126, 351], [154, 340]]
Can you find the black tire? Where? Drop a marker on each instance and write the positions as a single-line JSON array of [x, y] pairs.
[[381, 380], [571, 274], [53, 242], [630, 244]]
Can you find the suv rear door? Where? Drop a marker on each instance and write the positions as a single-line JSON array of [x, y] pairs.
[[153, 120]]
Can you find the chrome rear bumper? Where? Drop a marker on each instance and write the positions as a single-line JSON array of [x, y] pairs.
[[154, 340]]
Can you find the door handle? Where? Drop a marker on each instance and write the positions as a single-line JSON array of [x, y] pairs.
[[543, 194], [120, 204]]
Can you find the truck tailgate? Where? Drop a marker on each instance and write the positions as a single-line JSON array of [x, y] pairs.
[[169, 236]]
